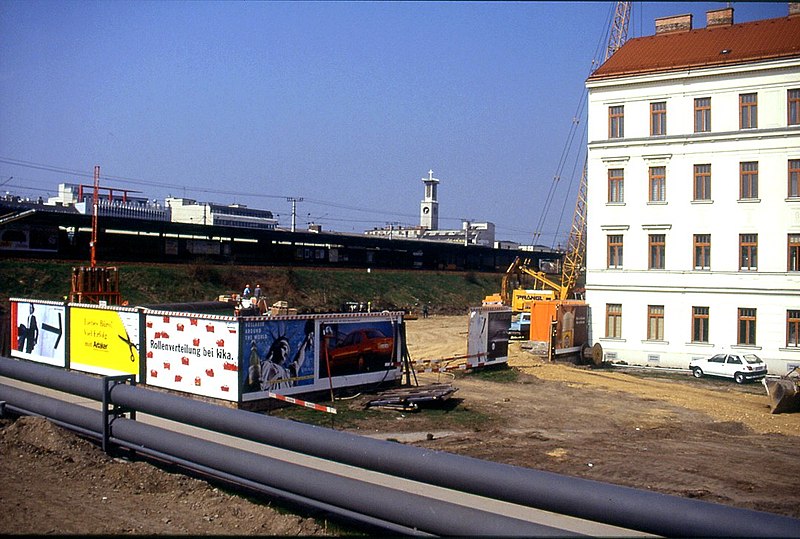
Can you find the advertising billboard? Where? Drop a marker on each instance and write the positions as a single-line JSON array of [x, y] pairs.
[[38, 331], [104, 340], [357, 347], [278, 355], [291, 354], [572, 328], [232, 358], [193, 353]]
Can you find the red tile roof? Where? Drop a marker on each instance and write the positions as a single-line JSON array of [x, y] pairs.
[[745, 42]]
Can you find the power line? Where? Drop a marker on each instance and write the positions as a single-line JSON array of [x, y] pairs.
[[171, 186]]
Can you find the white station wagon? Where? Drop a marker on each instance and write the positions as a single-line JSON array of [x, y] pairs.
[[740, 367]]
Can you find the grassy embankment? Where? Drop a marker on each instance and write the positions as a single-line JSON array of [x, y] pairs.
[[308, 289]]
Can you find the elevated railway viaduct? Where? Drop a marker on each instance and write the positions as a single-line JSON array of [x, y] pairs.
[[45, 231]]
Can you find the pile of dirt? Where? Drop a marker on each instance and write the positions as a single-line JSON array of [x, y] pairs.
[[645, 428], [57, 483]]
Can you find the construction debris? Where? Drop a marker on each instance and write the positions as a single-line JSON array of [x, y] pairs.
[[409, 398], [784, 392]]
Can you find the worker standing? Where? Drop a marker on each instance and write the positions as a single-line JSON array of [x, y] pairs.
[[257, 292], [246, 292]]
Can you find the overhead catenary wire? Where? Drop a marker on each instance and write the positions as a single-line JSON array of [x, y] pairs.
[[616, 20]]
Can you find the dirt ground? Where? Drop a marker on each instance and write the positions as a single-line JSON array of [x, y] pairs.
[[666, 432]]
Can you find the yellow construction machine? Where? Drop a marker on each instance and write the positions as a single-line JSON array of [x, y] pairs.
[[557, 317], [514, 294]]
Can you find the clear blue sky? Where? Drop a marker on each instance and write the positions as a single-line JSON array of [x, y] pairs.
[[346, 104]]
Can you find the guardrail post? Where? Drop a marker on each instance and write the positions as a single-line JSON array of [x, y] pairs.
[[111, 410]]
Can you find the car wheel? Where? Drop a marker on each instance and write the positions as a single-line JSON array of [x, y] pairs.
[[738, 378], [697, 372]]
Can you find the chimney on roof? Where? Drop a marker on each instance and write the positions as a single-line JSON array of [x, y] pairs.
[[794, 8], [676, 23], [719, 17]]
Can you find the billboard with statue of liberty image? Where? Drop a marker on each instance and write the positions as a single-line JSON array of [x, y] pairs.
[[277, 356]]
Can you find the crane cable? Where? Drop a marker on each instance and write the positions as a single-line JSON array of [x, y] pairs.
[[576, 120]]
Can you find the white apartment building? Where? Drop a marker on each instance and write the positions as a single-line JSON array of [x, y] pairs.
[[693, 240]]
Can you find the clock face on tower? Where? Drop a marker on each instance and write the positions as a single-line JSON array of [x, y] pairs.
[[426, 210]]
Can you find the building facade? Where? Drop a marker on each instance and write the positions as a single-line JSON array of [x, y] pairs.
[[110, 202], [185, 210], [693, 240], [469, 234]]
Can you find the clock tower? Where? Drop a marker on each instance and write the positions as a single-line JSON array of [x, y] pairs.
[[429, 207]]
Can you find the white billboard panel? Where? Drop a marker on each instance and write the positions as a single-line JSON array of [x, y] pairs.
[[38, 331], [193, 353], [487, 339]]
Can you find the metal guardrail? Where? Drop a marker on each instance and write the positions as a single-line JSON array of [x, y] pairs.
[[615, 505]]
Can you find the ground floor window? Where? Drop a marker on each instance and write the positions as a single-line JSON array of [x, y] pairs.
[[613, 320], [793, 328], [699, 324], [747, 326], [655, 322]]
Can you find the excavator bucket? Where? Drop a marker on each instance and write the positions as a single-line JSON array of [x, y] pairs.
[[784, 394]]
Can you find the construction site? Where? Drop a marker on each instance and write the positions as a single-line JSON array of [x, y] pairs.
[[662, 433], [529, 397]]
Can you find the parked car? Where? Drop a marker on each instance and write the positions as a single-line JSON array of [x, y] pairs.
[[740, 367], [520, 326]]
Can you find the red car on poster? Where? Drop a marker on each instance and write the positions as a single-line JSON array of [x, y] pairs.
[[361, 350]]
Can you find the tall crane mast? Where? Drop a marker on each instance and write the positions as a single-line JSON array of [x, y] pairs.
[[576, 244], [619, 28]]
